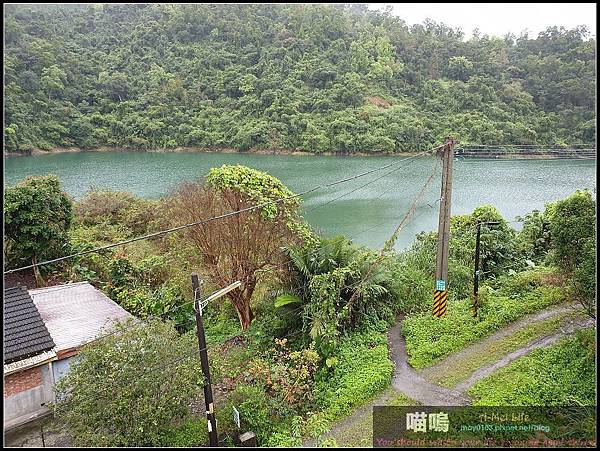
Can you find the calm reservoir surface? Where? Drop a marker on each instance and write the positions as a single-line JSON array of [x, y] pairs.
[[367, 215]]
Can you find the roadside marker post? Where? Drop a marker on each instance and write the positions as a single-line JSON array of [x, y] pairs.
[[440, 303]]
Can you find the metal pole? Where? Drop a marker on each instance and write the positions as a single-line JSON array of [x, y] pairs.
[[475, 306], [476, 273], [440, 296], [208, 397]]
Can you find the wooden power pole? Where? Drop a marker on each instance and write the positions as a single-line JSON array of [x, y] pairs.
[[208, 396], [440, 296]]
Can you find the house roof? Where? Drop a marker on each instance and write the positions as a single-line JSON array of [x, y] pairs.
[[25, 333], [76, 314], [30, 362]]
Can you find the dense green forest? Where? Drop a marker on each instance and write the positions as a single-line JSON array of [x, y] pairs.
[[290, 77]]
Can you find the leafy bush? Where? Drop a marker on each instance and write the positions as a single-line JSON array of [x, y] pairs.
[[572, 227], [117, 392], [101, 207], [287, 375], [561, 375], [140, 290], [585, 279], [258, 412], [499, 252], [339, 286], [535, 237], [191, 434], [37, 217], [572, 224]]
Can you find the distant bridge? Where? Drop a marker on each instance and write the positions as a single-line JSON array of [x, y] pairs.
[[583, 151]]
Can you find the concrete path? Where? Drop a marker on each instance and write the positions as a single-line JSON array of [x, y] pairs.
[[408, 381]]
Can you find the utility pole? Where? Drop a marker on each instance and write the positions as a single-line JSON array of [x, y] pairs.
[[440, 296], [475, 305], [208, 396]]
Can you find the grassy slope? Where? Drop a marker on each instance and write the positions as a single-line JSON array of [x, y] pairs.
[[563, 374]]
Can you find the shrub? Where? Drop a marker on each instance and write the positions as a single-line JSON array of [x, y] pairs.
[[574, 244], [339, 286], [191, 434], [288, 375], [101, 207], [360, 369], [140, 290], [258, 413], [244, 246], [37, 217], [118, 392], [415, 268], [572, 224], [535, 237]]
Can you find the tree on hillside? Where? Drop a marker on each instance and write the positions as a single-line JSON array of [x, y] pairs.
[[37, 217], [243, 246], [284, 77]]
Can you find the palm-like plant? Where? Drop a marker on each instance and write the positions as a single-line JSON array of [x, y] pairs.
[[324, 276]]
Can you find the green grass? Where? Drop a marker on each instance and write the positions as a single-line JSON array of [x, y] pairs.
[[560, 375], [428, 338], [360, 433], [460, 370], [363, 370]]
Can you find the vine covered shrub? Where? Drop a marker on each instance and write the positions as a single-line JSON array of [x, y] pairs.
[[340, 287], [245, 246]]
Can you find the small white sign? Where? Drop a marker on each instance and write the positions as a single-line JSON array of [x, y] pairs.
[[236, 417]]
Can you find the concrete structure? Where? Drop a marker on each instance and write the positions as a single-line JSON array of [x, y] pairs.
[[61, 320]]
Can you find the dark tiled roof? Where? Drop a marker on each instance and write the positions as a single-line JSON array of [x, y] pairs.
[[25, 334]]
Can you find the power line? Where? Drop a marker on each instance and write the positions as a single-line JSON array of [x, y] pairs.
[[146, 320], [390, 242], [566, 146], [366, 184], [180, 306], [201, 222]]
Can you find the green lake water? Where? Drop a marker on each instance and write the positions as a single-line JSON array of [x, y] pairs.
[[367, 215]]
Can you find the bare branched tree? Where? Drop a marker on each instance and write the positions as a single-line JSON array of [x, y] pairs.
[[238, 247]]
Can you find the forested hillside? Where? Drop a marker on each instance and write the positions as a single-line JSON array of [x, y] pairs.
[[289, 77]]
